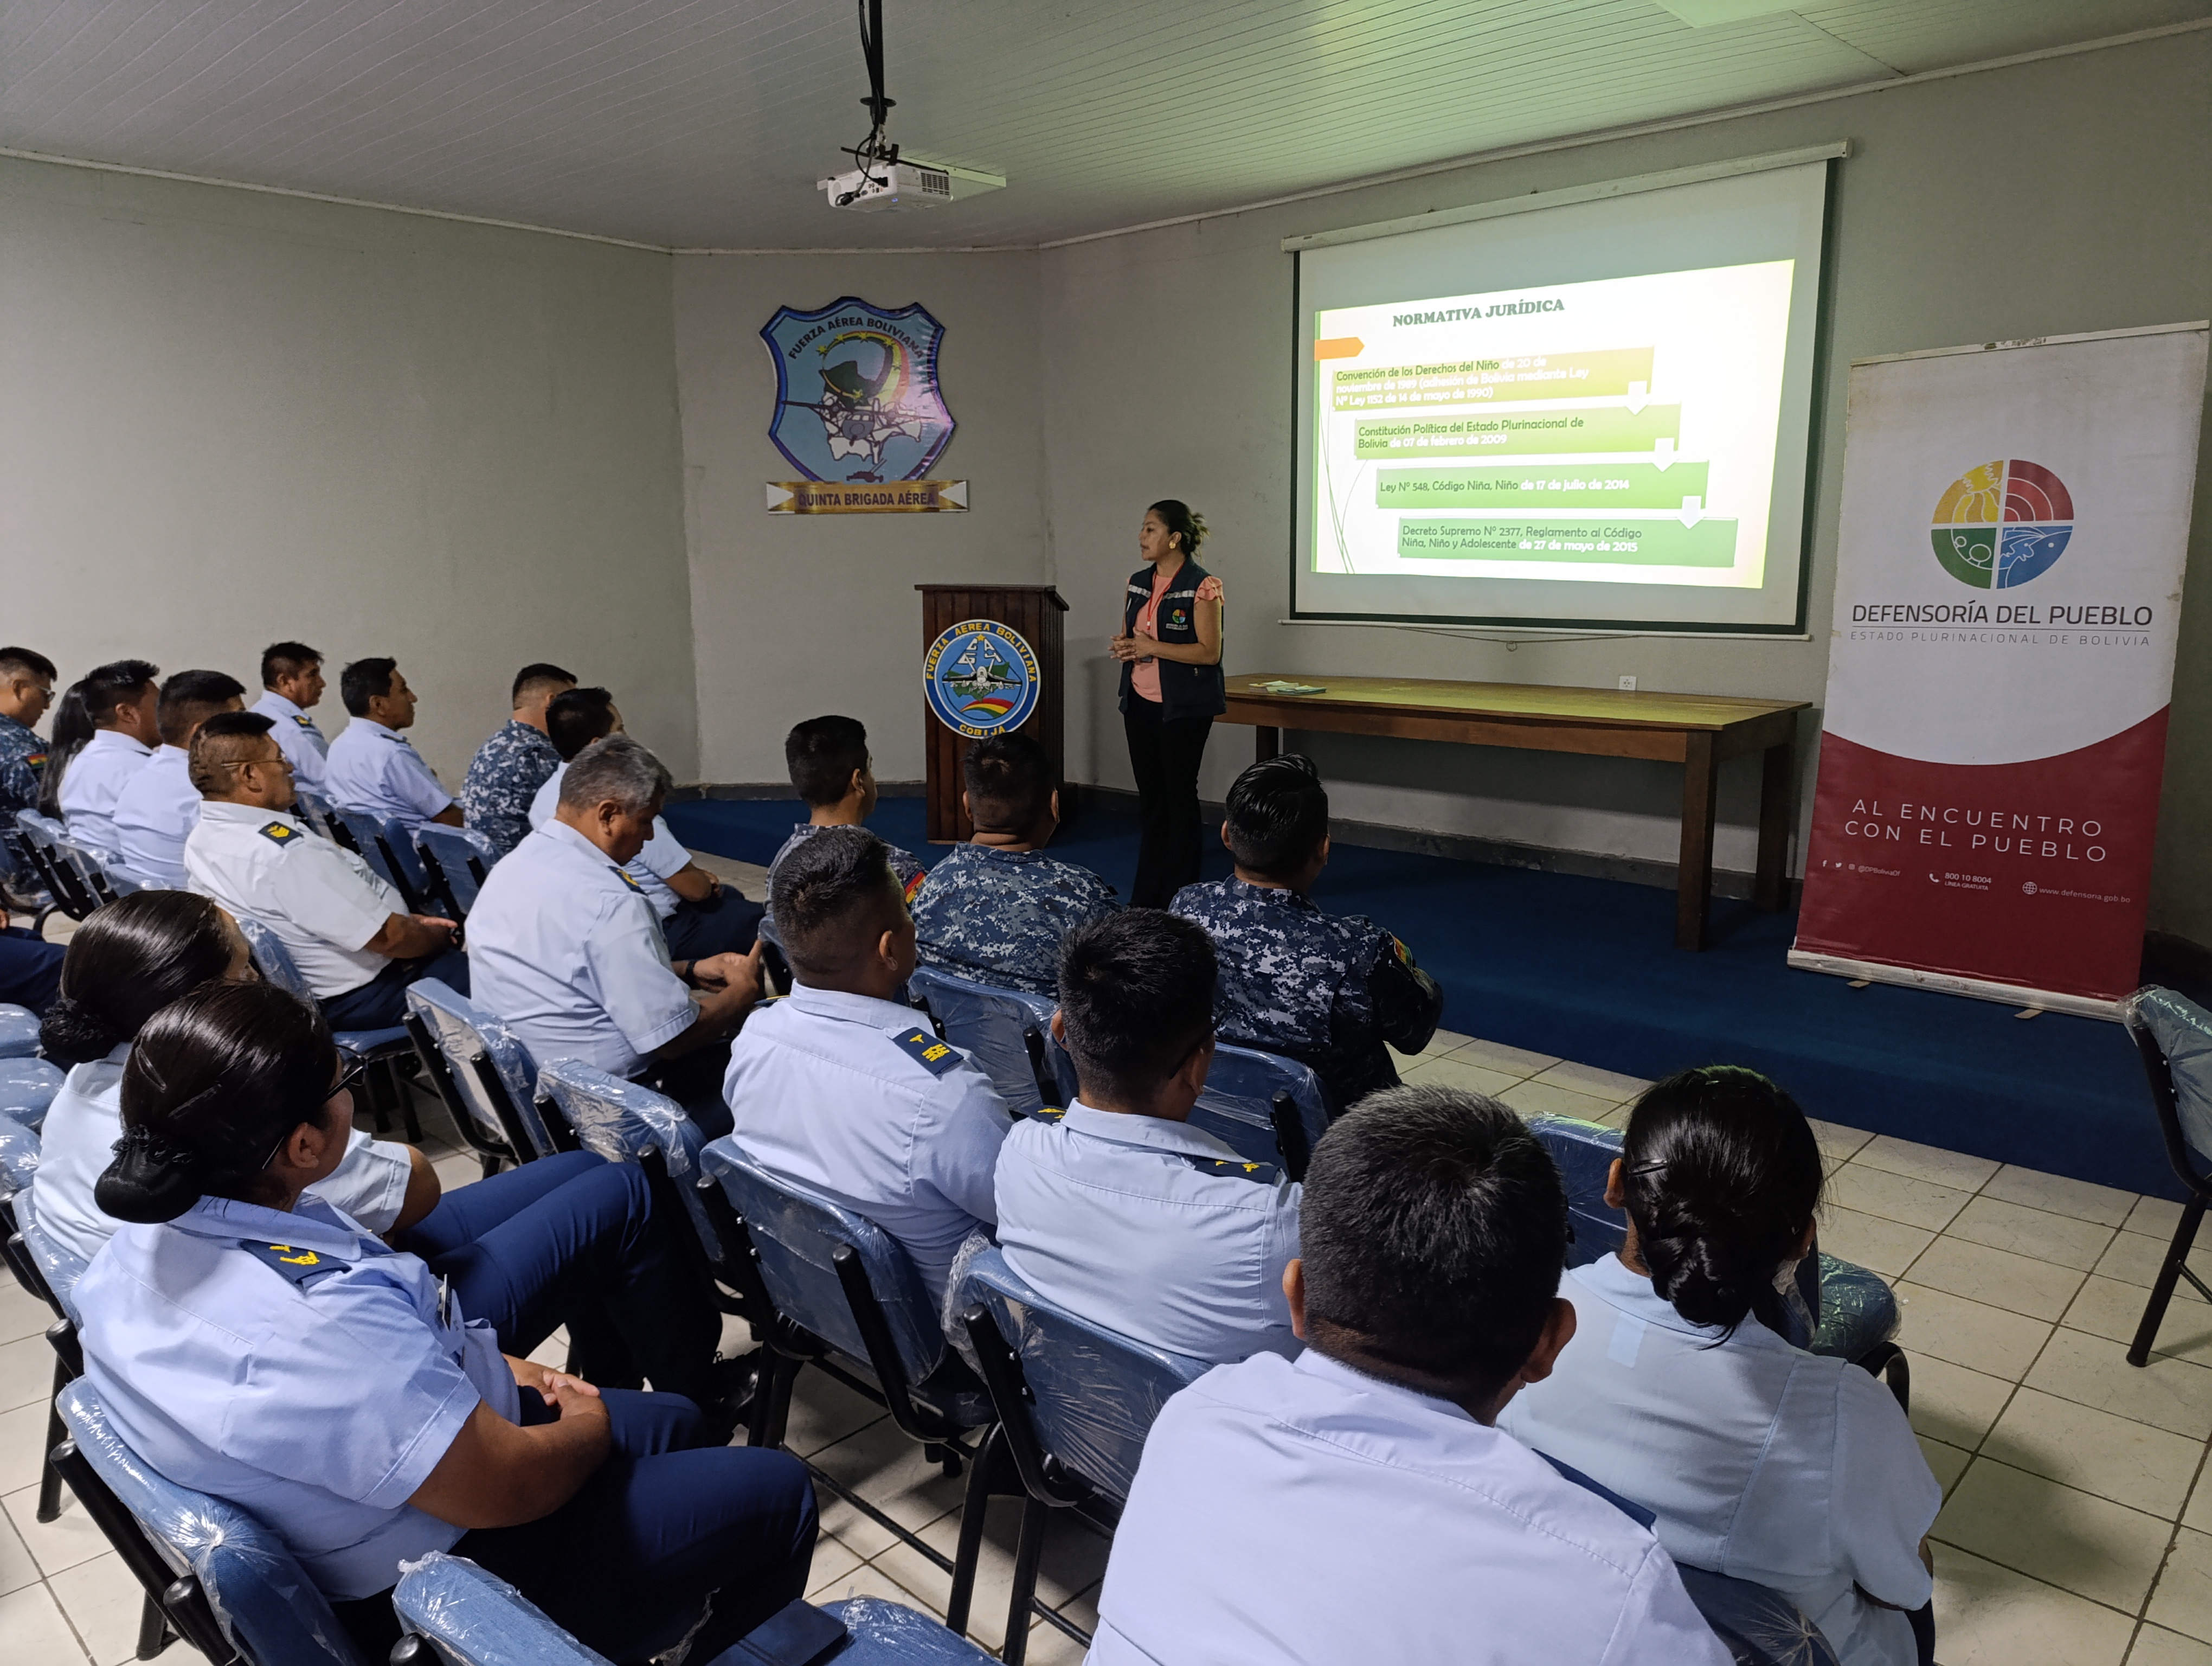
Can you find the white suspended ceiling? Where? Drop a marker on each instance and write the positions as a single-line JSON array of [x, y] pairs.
[[703, 124]]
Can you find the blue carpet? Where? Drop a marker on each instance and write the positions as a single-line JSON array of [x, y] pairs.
[[1586, 969]]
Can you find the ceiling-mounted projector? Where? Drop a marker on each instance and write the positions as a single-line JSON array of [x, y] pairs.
[[908, 183]]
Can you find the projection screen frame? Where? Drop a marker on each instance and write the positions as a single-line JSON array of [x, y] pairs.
[[1795, 628]]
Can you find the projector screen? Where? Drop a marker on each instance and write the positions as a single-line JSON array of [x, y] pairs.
[[1592, 413]]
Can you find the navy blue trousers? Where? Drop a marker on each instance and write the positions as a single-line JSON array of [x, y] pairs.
[[726, 923], [30, 969], [381, 1003], [572, 1239]]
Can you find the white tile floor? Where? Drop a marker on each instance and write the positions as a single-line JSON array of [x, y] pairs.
[[2077, 1523]]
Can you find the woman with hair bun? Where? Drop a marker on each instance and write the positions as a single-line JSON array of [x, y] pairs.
[[1169, 651], [126, 963], [1762, 1462], [252, 1342]]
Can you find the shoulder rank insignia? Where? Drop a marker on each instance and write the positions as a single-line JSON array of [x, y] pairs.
[[279, 833], [302, 1267], [303, 719], [1233, 1168], [932, 1054], [623, 873]]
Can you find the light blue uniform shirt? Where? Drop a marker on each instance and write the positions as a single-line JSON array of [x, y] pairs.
[[319, 1402], [301, 742], [95, 779], [1301, 1513], [375, 771], [564, 945], [1153, 1228], [155, 814], [821, 1090], [664, 854], [1762, 1462]]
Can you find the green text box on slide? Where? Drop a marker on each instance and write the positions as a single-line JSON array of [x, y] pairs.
[[1523, 376], [1634, 543], [1601, 430], [1609, 485]]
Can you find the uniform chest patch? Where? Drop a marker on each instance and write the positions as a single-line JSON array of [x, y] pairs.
[[302, 1267], [914, 885], [1234, 1168], [279, 833], [931, 1054]]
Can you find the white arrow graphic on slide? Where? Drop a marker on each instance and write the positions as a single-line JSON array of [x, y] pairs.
[[1662, 453], [1693, 511], [1637, 396]]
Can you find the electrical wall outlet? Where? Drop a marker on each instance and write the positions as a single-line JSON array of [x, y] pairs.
[[1628, 685]]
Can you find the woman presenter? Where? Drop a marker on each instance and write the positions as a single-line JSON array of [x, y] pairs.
[[1171, 652]]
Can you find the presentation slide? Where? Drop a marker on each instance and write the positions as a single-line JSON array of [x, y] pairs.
[[1616, 450]]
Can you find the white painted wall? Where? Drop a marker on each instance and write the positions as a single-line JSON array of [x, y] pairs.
[[226, 418], [796, 616], [2072, 194]]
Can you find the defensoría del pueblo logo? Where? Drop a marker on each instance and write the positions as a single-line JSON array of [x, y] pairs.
[[980, 678], [2003, 524]]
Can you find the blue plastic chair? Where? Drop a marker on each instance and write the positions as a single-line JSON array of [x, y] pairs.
[[482, 1073], [316, 811], [831, 1290], [48, 1273], [1760, 1627], [28, 1086], [1074, 1402], [2173, 1037], [397, 840], [380, 1051], [1270, 1108], [127, 881], [99, 867], [454, 1611], [227, 1583], [1835, 1306], [1005, 1033], [19, 1032], [364, 834], [57, 870], [455, 862]]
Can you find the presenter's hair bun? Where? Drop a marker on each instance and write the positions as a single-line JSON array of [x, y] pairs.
[[1722, 1174], [1178, 517]]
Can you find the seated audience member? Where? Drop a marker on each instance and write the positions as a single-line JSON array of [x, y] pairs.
[[159, 805], [996, 909], [121, 699], [509, 768], [563, 944], [1359, 1503], [699, 915], [124, 965], [291, 684], [72, 731], [351, 1401], [26, 689], [1323, 988], [831, 770], [1763, 1461], [375, 770], [837, 1086], [347, 930], [1121, 1211], [30, 968]]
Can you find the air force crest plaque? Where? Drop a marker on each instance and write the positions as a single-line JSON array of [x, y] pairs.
[[980, 678], [858, 409]]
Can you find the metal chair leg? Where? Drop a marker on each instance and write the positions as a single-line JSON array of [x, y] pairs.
[[154, 1632], [1029, 1556], [974, 1503], [2169, 1274], [50, 1479], [402, 1095]]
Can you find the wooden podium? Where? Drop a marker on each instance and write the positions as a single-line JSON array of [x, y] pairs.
[[1033, 609]]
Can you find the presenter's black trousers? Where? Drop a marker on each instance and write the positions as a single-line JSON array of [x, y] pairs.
[[1164, 755]]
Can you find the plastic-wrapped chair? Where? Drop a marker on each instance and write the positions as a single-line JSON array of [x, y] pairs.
[[126, 881], [397, 840], [316, 811], [1074, 1402], [99, 867], [1004, 1032], [383, 1084], [1833, 1307], [364, 836], [1760, 1627], [455, 862], [65, 882], [454, 1612], [226, 1583], [48, 1272], [28, 1086], [19, 1032], [834, 1292], [1270, 1108], [482, 1073], [2173, 1037], [629, 1123]]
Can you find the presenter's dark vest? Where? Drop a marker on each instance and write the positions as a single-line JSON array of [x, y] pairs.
[[1185, 690]]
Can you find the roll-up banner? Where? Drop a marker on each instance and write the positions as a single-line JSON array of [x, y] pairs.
[[2016, 520]]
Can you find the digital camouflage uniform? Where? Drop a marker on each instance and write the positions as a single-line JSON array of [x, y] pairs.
[[997, 916], [23, 756], [503, 777], [909, 872], [1325, 989]]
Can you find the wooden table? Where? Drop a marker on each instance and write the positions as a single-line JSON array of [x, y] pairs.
[[1697, 731]]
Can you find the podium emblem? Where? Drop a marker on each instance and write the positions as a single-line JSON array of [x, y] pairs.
[[980, 678]]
